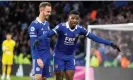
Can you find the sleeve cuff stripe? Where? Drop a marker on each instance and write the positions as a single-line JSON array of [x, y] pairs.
[[55, 31], [33, 35], [87, 33]]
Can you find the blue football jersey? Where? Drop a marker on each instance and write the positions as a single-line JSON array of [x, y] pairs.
[[67, 39], [36, 29]]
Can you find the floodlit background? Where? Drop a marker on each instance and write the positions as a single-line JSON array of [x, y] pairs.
[[16, 16]]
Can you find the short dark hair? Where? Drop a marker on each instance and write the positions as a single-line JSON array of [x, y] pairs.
[[74, 12], [8, 33], [44, 4]]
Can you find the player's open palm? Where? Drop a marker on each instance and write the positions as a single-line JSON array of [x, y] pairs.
[[40, 63]]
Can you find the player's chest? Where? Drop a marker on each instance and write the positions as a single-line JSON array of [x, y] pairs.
[[9, 45], [43, 29], [69, 33], [70, 36]]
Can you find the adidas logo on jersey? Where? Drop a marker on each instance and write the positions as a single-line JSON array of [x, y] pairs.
[[42, 29]]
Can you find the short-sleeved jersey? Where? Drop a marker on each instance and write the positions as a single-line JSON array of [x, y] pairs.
[[36, 29], [67, 39], [8, 46]]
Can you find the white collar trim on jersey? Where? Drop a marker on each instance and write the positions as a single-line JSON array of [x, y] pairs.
[[38, 20], [67, 25]]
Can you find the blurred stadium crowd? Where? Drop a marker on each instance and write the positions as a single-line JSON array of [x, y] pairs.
[[106, 56], [15, 17]]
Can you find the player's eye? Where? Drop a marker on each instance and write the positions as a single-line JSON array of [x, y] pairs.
[[77, 18], [73, 17], [49, 11]]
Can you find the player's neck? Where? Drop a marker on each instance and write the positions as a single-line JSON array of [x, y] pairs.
[[41, 18], [8, 39], [71, 27]]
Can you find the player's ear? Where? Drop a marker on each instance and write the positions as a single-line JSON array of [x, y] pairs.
[[69, 17], [79, 19], [40, 9]]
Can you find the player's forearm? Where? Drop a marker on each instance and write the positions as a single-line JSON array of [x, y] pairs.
[[37, 56], [34, 47], [99, 39], [4, 49], [43, 38], [49, 34]]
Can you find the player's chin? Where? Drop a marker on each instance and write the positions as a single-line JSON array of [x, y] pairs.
[[74, 24], [47, 17]]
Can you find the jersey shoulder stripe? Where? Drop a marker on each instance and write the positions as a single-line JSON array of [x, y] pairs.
[[35, 21], [79, 26], [33, 24], [62, 24]]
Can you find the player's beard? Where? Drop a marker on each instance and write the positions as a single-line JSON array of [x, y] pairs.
[[73, 24], [46, 17]]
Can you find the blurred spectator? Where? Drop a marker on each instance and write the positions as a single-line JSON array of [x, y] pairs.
[[124, 62], [15, 17]]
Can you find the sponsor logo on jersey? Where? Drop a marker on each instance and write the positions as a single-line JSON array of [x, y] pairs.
[[44, 32], [69, 41], [32, 28], [37, 69]]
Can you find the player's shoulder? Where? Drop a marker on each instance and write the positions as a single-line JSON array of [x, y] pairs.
[[4, 41], [33, 26], [13, 41], [62, 24], [34, 23], [79, 26], [47, 23]]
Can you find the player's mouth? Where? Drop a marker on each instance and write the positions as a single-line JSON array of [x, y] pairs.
[[74, 23]]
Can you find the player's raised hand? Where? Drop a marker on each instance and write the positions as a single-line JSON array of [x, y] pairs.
[[115, 47], [36, 43], [40, 63]]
